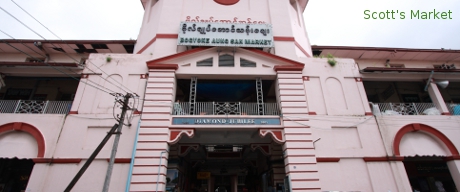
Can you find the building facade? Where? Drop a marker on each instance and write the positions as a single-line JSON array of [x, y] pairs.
[[230, 96]]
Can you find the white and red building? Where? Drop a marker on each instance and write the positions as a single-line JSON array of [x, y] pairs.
[[232, 96]]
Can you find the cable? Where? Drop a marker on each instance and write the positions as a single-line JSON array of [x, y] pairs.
[[22, 43], [57, 46], [60, 70], [69, 45]]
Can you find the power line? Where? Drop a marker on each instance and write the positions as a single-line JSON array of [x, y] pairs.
[[61, 70], [57, 46], [69, 45], [21, 43]]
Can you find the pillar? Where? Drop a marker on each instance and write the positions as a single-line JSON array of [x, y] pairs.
[[437, 99], [151, 159], [299, 153]]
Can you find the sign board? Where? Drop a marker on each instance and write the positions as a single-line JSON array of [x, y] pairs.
[[203, 175], [225, 121], [225, 34]]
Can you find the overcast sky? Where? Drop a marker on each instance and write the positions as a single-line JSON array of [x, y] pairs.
[[328, 22]]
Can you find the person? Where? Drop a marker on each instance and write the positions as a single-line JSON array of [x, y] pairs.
[[178, 108]]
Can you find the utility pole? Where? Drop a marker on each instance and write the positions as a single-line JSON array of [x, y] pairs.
[[116, 129], [115, 142]]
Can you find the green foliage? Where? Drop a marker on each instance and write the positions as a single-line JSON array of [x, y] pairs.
[[331, 60], [108, 58]]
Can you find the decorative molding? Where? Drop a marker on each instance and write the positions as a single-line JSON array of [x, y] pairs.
[[184, 149], [269, 55], [264, 148], [176, 134], [277, 134], [19, 126]]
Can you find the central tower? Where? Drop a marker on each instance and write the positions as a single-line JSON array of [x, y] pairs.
[[162, 19]]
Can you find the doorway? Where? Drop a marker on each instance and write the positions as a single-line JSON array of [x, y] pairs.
[[429, 174], [14, 174]]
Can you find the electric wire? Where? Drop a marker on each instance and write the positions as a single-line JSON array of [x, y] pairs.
[[22, 43], [58, 46], [67, 44], [94, 86]]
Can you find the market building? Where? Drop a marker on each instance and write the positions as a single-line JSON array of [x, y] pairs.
[[232, 97]]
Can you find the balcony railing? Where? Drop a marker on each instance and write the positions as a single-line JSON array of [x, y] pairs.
[[404, 109], [454, 108], [35, 107], [225, 108]]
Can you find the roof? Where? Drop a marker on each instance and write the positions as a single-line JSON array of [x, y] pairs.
[[66, 46], [388, 53]]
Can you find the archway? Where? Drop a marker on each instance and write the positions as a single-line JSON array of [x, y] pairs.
[[19, 126], [426, 161]]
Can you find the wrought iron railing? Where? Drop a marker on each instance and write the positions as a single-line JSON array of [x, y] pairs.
[[35, 106], [454, 108], [225, 108], [404, 109]]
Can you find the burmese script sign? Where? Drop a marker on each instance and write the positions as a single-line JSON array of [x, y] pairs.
[[225, 121], [225, 34]]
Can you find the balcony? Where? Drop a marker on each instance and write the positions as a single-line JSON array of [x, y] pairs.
[[454, 108], [225, 108], [35, 106], [404, 109]]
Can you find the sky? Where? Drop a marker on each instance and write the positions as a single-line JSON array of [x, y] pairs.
[[328, 22]]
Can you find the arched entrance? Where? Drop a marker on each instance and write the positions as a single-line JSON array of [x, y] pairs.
[[16, 171], [426, 153], [225, 160]]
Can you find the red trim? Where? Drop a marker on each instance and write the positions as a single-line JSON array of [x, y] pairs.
[[137, 112], [358, 79], [158, 36], [61, 161], [327, 159], [281, 38], [162, 66], [304, 179], [301, 49], [425, 128], [368, 114], [167, 36], [372, 159], [306, 78], [287, 68], [446, 113], [73, 112], [19, 126], [121, 160], [311, 113], [303, 189], [383, 49], [227, 2], [37, 64], [275, 57], [177, 55], [386, 69]]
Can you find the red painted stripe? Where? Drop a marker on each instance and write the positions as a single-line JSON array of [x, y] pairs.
[[188, 52], [58, 161], [301, 172], [121, 160], [302, 49], [73, 112], [303, 189], [327, 159], [281, 38], [147, 45]]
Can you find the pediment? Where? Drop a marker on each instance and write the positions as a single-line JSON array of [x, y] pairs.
[[220, 59]]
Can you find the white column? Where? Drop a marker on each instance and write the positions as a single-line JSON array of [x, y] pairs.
[[437, 99], [454, 168]]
